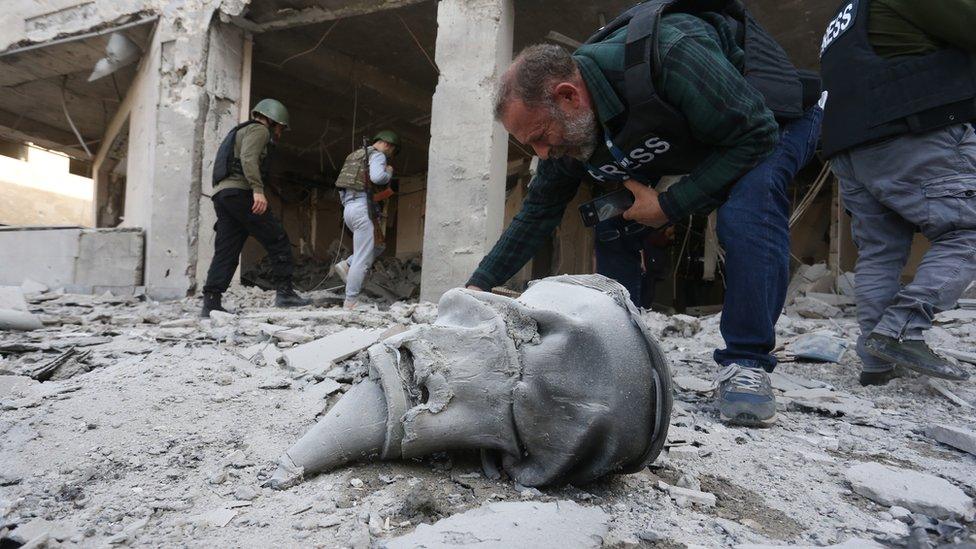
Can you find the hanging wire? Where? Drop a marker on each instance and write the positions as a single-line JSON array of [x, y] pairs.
[[313, 48], [422, 49], [811, 195]]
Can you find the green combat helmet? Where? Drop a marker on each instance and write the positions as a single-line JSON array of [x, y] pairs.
[[273, 109], [389, 136]]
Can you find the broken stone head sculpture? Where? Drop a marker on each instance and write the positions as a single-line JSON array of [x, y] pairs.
[[563, 385]]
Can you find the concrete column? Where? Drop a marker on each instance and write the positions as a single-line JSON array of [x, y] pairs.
[[225, 70], [468, 149]]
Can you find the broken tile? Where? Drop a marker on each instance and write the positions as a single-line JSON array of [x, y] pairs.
[[693, 384], [919, 492]]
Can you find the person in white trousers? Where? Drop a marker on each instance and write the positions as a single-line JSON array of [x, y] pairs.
[[355, 204]]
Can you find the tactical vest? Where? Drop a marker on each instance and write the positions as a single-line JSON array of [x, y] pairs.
[[873, 98], [226, 164], [655, 139], [354, 172]]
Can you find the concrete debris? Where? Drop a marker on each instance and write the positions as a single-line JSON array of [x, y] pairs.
[[515, 525], [682, 326], [962, 356], [810, 307], [853, 543], [322, 354], [819, 346], [957, 437], [28, 531], [156, 417], [810, 278], [837, 300], [956, 316], [940, 387], [694, 384], [19, 320], [918, 492], [284, 333], [685, 497], [829, 402]]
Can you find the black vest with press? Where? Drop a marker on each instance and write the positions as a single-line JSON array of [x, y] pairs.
[[655, 139], [227, 164], [873, 98]]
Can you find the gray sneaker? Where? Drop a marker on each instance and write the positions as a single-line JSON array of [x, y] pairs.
[[913, 354], [745, 396]]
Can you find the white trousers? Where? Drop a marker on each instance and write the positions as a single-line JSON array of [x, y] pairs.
[[355, 215]]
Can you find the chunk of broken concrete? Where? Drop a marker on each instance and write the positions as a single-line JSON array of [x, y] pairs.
[[325, 352], [853, 543], [37, 527], [284, 333], [810, 307], [919, 492], [819, 347], [514, 525], [957, 437]]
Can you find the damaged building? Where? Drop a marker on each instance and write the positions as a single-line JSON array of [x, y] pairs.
[[139, 95], [127, 419]]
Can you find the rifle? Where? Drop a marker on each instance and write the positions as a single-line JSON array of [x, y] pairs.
[[373, 207]]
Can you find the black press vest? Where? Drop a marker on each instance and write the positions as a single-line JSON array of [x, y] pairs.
[[656, 139], [226, 164], [873, 98]]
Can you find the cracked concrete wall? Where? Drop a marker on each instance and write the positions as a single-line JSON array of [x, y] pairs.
[[179, 115], [468, 149]]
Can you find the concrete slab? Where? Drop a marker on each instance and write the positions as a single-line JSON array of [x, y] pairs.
[[918, 492], [957, 437], [513, 525], [328, 350]]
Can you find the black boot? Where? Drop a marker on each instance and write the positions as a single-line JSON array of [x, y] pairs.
[[286, 297], [881, 378], [915, 355], [211, 302]]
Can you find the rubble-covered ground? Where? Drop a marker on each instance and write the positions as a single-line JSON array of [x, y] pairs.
[[153, 427]]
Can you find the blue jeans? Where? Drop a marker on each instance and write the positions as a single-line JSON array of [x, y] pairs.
[[753, 229], [618, 255]]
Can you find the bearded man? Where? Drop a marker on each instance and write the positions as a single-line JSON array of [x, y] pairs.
[[660, 92]]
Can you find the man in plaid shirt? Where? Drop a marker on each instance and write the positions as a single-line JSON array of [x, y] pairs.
[[570, 108]]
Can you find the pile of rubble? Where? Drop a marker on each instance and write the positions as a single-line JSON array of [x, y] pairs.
[[390, 279], [126, 421]]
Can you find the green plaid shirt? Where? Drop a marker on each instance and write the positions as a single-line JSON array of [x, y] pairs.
[[701, 75]]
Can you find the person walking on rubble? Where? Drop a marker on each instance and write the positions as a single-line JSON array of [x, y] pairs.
[[657, 92], [241, 169], [899, 134], [364, 170]]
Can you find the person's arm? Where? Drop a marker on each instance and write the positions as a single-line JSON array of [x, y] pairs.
[[723, 111], [951, 21], [253, 142], [378, 173], [552, 188]]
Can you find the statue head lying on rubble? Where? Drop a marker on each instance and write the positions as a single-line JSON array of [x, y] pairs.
[[563, 385]]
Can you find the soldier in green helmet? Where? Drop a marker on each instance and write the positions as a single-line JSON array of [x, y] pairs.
[[364, 170], [241, 169]]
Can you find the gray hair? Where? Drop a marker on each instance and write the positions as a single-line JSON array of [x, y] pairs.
[[531, 74]]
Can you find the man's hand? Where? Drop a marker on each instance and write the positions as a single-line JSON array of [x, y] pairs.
[[389, 169], [646, 209], [260, 204]]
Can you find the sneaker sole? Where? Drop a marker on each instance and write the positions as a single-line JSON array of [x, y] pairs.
[[748, 420], [911, 366]]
